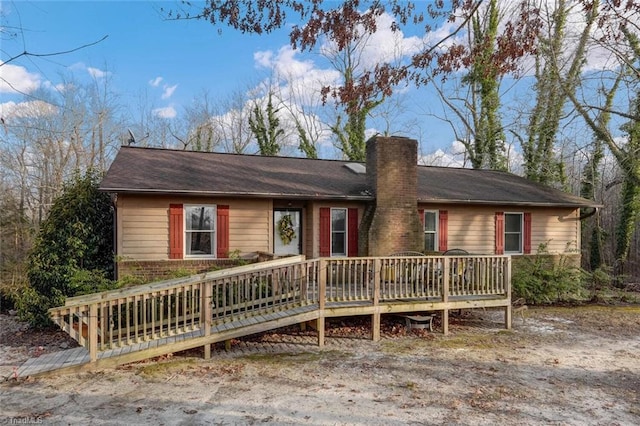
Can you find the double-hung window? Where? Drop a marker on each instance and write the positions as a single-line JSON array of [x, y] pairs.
[[200, 227], [513, 235], [430, 230], [338, 232]]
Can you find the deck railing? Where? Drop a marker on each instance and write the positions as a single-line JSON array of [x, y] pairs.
[[352, 279], [120, 318]]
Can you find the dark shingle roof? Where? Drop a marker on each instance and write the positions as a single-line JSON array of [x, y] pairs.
[[151, 170], [489, 187], [169, 171]]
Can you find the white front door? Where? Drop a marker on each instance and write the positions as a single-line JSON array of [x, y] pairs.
[[287, 230]]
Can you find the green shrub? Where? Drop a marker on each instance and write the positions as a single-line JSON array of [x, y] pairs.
[[131, 281], [85, 281], [543, 279], [9, 293], [73, 251], [30, 305], [180, 273]]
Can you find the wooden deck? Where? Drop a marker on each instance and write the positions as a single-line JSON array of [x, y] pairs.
[[142, 322]]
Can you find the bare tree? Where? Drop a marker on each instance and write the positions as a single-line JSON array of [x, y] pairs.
[[347, 26], [194, 130], [231, 123]]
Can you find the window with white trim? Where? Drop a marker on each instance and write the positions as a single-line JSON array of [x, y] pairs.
[[430, 230], [513, 234], [200, 230], [338, 232]]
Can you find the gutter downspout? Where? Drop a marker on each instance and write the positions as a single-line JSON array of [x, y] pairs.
[[582, 216], [114, 200]]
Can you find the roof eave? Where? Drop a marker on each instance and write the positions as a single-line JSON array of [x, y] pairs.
[[148, 191], [508, 203]]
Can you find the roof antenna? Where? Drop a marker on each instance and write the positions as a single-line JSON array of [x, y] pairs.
[[132, 138]]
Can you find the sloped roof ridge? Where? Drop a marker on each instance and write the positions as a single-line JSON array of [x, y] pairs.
[[428, 166], [235, 154]]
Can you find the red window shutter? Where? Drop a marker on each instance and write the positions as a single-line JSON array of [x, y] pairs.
[[499, 232], [222, 232], [176, 232], [527, 233], [353, 233], [443, 229], [421, 216], [325, 232]]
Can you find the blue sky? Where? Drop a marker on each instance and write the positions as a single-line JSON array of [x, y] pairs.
[[169, 63], [141, 46]]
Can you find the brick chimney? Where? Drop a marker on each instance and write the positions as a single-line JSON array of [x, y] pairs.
[[392, 224]]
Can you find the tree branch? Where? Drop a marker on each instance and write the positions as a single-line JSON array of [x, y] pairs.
[[43, 55]]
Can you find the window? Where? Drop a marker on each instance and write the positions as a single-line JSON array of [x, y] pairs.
[[338, 229], [430, 230], [338, 232], [200, 225], [513, 232]]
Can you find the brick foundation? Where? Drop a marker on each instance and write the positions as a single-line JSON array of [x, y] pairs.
[[153, 270]]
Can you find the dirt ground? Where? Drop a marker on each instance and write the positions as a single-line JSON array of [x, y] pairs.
[[560, 366]]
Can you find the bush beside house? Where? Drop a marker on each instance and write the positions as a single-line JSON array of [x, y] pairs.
[[73, 252]]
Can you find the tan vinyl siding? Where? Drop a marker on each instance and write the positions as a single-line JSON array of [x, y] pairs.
[[144, 225], [559, 229], [249, 224], [145, 229], [309, 237], [473, 228]]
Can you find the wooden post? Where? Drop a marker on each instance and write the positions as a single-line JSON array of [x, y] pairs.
[[322, 297], [446, 273], [507, 312], [445, 321], [205, 314], [375, 327], [446, 266], [320, 324], [375, 318], [93, 332], [377, 278], [322, 283], [106, 326]]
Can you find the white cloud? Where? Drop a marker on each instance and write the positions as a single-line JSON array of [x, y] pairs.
[[383, 46], [97, 73], [92, 71], [168, 91], [166, 112], [264, 59], [62, 87], [16, 79], [156, 81], [285, 62], [304, 78], [453, 156], [11, 109], [301, 80]]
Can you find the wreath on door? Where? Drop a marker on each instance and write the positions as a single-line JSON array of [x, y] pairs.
[[285, 229]]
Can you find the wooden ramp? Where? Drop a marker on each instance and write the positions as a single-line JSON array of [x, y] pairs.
[[77, 359], [137, 323]]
